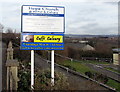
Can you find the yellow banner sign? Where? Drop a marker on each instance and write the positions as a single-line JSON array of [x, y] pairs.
[[48, 38]]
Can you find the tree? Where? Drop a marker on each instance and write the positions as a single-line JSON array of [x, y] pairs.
[[9, 30], [73, 53], [1, 28], [104, 49]]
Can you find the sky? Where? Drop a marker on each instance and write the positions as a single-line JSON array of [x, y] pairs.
[[84, 17]]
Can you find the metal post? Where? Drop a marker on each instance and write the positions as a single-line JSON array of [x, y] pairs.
[[52, 67], [32, 69]]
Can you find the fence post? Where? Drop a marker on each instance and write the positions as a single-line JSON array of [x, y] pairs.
[[12, 69]]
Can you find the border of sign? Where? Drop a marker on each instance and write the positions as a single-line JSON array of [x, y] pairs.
[[62, 47], [42, 6]]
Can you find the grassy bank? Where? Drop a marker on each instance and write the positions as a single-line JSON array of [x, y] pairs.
[[82, 68], [94, 62], [113, 70], [77, 66], [113, 84]]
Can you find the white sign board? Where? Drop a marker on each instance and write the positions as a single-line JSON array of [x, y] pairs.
[[37, 18]]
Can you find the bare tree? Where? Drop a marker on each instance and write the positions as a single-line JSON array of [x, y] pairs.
[[1, 28], [9, 30]]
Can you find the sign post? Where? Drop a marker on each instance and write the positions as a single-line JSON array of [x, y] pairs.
[[39, 19], [52, 67], [32, 69]]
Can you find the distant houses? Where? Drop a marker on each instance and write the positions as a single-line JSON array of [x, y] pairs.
[[80, 46], [88, 47], [79, 41], [116, 56], [83, 42]]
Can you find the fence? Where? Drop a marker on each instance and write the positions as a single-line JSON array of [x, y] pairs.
[[78, 74], [47, 56]]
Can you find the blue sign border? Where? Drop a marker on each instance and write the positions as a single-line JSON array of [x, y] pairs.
[[41, 45], [41, 6]]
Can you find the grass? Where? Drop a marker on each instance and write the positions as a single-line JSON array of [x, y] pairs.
[[77, 66], [82, 68], [95, 62], [114, 84], [113, 70]]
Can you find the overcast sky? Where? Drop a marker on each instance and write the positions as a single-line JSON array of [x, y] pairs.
[[81, 17]]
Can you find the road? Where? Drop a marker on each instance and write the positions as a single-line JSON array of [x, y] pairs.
[[76, 82], [100, 69]]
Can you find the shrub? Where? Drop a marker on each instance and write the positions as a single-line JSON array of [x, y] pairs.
[[98, 77], [43, 81], [24, 77], [89, 74], [70, 67]]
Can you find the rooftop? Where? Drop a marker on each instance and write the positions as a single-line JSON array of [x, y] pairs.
[[116, 50]]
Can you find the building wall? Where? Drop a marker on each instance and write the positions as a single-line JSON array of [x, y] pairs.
[[116, 58]]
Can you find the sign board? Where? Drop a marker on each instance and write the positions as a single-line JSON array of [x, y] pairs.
[[35, 41], [37, 18]]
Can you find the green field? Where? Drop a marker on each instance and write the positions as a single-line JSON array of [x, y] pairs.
[[113, 70], [94, 62], [82, 68], [77, 66], [114, 84]]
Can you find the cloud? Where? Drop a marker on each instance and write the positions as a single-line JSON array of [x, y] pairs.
[[0, 12], [89, 26], [111, 3], [93, 18], [104, 30], [93, 29], [81, 17], [32, 1]]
